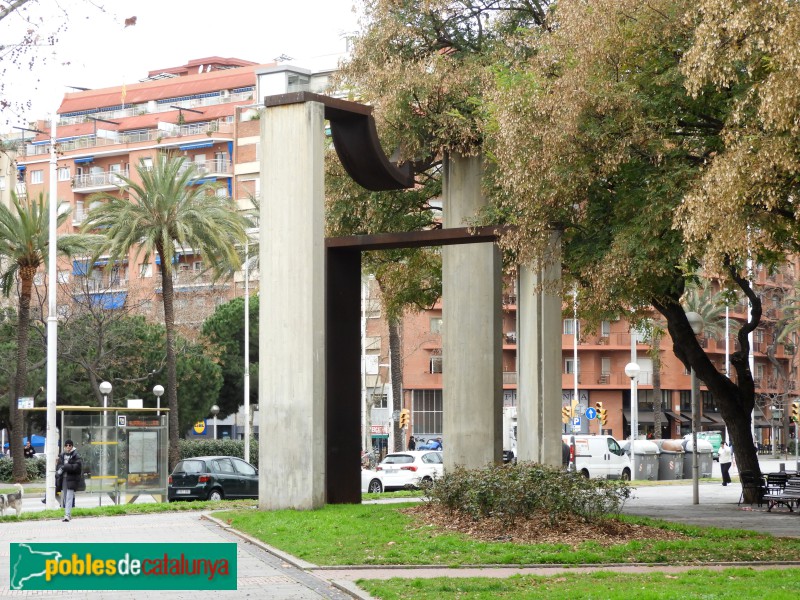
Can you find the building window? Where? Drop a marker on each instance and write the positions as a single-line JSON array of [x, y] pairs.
[[686, 400], [426, 417], [605, 365], [605, 328], [197, 265], [570, 366], [707, 400], [63, 174], [37, 176], [146, 270], [436, 364], [436, 325], [380, 400], [570, 326]]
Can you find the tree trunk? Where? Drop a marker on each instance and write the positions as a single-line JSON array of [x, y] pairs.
[[735, 401], [19, 470], [167, 295], [395, 359]]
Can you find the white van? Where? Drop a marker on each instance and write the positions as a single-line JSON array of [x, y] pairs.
[[598, 457]]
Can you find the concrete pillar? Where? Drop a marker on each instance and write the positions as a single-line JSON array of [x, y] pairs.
[[472, 337], [292, 325], [539, 359]]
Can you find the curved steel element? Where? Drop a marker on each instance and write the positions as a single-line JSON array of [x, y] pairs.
[[355, 139]]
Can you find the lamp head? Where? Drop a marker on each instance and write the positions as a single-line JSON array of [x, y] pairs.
[[215, 410], [105, 388], [158, 390], [632, 370]]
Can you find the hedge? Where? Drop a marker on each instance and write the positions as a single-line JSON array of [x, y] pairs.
[[226, 447]]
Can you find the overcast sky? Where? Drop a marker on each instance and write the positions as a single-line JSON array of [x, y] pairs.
[[98, 50]]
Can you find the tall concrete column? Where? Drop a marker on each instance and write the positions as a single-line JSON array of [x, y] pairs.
[[292, 325], [472, 337], [539, 359]]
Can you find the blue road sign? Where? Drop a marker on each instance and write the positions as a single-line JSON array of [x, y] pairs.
[[591, 413], [576, 421]]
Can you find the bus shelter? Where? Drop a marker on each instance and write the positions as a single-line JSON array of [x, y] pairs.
[[124, 450]]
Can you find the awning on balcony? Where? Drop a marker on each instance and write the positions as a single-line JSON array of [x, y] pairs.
[[196, 145], [202, 180], [85, 159], [109, 300], [80, 267]]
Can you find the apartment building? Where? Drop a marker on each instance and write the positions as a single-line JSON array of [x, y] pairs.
[[599, 373], [205, 111]]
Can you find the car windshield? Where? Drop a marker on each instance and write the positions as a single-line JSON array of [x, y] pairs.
[[398, 459], [190, 466]]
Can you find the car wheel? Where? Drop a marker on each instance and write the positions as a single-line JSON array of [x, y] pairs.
[[626, 475], [215, 495], [585, 473], [375, 487]]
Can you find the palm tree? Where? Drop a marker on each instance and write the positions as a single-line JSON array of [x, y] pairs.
[[169, 210], [24, 240]]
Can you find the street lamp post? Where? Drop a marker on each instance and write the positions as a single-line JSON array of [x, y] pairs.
[[696, 323], [105, 389], [632, 370], [158, 391], [214, 413]]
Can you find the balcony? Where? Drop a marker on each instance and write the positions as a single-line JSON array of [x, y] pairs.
[[151, 135], [210, 168], [509, 378], [97, 182]]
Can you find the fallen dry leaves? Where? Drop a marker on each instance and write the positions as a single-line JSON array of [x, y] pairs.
[[570, 530]]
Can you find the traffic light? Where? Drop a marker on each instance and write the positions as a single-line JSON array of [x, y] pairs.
[[565, 414], [796, 412], [405, 416], [602, 413]]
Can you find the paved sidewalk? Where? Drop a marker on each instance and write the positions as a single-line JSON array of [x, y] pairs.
[[260, 573], [265, 572]]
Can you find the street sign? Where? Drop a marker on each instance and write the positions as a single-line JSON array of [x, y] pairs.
[[25, 402], [576, 421], [591, 413], [580, 409]]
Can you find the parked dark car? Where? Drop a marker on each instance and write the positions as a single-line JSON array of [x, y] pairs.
[[212, 478]]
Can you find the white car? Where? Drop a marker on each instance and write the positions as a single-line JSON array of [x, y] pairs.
[[371, 481], [411, 468]]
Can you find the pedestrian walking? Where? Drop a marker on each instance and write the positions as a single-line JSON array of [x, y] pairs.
[[412, 443], [725, 460], [71, 472]]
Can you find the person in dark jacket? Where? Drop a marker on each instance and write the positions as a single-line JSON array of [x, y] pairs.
[[412, 443], [29, 451], [71, 472]]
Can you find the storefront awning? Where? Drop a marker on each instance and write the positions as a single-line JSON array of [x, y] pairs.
[[677, 417]]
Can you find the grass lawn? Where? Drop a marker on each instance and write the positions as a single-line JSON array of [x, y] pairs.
[[701, 583], [382, 534]]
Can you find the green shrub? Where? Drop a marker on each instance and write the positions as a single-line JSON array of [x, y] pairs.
[[510, 492], [36, 469], [228, 447]]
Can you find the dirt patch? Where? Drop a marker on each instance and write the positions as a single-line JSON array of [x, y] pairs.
[[538, 530]]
